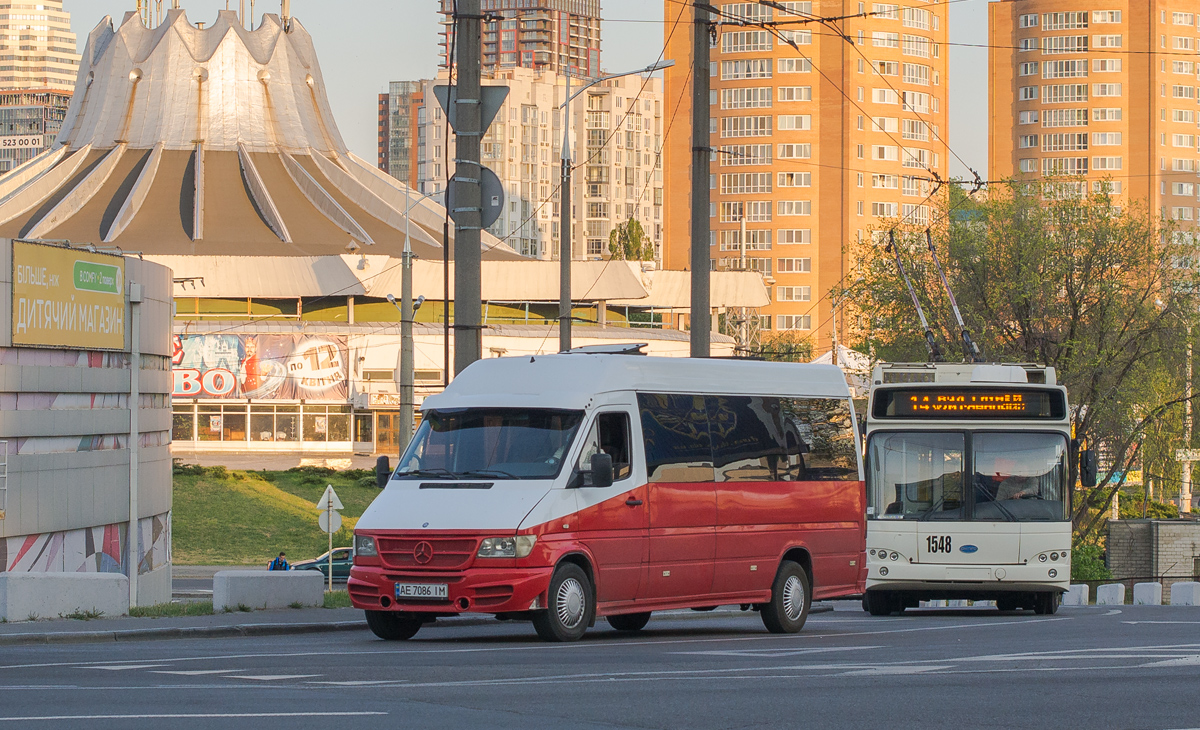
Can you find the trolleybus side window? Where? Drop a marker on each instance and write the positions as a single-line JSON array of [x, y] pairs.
[[609, 435], [675, 429], [916, 475], [1019, 476]]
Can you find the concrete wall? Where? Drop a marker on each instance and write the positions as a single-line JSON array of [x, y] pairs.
[[1164, 549], [1129, 548], [65, 418]]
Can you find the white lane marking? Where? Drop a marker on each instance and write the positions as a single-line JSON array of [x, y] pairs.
[[1186, 661], [1134, 623], [272, 677], [363, 683], [124, 667], [772, 653], [879, 671], [180, 716], [197, 672], [575, 646], [1113, 612]]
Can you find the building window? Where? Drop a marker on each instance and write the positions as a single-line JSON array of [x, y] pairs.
[[1064, 142], [1029, 20], [1065, 21], [743, 41], [795, 151], [795, 207], [1106, 65], [1028, 69], [1064, 44], [1064, 166], [1027, 93], [791, 236], [793, 293], [1112, 114], [1027, 44], [1064, 93], [881, 39], [883, 210], [1028, 165], [795, 93], [751, 97], [1106, 41], [1027, 141], [745, 127], [1102, 17], [794, 180], [1105, 139], [794, 122], [794, 65], [747, 68], [793, 322], [795, 266], [1029, 117]]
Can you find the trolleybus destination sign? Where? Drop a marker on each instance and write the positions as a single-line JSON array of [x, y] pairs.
[[1017, 403], [66, 297]]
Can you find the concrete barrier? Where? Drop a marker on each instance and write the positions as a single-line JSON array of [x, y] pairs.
[[1076, 595], [24, 596], [1147, 594], [1112, 594], [1185, 594], [267, 588]]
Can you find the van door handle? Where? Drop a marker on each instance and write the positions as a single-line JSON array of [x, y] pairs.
[[633, 502]]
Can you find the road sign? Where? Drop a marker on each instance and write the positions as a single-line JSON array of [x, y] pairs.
[[329, 500], [330, 521], [1187, 454], [492, 197], [491, 99]]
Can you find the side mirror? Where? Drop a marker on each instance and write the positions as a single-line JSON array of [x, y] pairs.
[[383, 471], [1087, 468], [602, 470]]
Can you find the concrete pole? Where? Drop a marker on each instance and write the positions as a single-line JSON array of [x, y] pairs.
[[1185, 490], [468, 332], [135, 368], [701, 307], [564, 227]]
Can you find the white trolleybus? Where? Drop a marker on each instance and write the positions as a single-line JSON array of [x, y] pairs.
[[967, 486]]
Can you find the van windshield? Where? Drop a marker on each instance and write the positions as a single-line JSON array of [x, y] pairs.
[[490, 443]]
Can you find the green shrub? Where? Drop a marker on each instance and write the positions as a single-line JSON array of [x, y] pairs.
[[1087, 563]]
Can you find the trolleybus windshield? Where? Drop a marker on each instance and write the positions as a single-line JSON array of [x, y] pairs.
[[921, 475]]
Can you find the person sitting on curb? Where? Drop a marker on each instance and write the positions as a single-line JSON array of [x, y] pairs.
[[279, 563]]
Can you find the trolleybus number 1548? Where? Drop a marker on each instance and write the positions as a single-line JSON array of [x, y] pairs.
[[938, 543]]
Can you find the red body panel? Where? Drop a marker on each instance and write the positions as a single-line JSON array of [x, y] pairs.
[[685, 545]]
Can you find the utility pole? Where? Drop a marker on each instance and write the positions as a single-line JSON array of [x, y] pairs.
[[701, 307], [468, 195], [564, 226], [1185, 491]]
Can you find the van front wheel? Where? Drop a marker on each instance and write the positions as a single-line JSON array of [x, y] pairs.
[[629, 621], [570, 605], [393, 626], [791, 597]]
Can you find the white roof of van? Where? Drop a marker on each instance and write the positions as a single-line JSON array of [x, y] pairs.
[[570, 381]]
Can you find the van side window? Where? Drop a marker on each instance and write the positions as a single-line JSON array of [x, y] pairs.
[[825, 428], [749, 444], [609, 435], [675, 430]]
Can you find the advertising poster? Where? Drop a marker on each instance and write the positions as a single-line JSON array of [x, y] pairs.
[[65, 297], [260, 367]]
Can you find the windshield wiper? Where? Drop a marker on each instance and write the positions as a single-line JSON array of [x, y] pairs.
[[439, 473], [487, 473]]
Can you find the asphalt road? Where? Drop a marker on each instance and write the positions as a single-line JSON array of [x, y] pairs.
[[1096, 667]]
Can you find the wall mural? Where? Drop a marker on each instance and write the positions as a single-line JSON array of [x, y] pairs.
[[90, 550]]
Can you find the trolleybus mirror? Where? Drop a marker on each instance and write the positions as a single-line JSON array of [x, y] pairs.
[[602, 470], [1087, 468]]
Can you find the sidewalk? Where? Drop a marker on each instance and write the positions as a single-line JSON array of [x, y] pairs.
[[242, 624]]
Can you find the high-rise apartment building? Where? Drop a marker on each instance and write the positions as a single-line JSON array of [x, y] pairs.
[[396, 124], [812, 146], [29, 124], [37, 47], [559, 36], [616, 135], [1105, 90]]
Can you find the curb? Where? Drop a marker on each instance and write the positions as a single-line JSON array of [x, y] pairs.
[[273, 629]]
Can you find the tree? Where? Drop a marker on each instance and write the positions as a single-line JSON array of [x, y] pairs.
[[1044, 274], [781, 347], [628, 242]]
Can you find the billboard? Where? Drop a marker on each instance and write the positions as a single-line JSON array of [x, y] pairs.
[[260, 367], [66, 297]]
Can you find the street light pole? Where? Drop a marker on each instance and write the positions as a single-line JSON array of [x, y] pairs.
[[407, 395], [564, 207]]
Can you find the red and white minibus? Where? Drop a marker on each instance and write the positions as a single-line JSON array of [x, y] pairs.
[[563, 488]]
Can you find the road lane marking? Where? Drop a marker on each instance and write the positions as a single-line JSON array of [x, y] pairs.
[[124, 667], [272, 677], [1186, 661], [880, 671], [197, 672], [189, 716], [772, 653], [1134, 623]]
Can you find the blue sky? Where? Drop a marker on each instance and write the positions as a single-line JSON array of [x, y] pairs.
[[364, 44]]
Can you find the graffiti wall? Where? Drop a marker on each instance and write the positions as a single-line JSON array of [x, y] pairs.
[[262, 367], [90, 550]]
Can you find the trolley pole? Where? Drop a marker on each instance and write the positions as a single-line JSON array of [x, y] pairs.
[[468, 197], [701, 312]]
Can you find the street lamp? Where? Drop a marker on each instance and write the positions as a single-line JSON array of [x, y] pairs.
[[564, 207], [406, 321]]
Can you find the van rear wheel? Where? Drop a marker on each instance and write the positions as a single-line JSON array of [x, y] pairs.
[[791, 597], [393, 626], [629, 621], [570, 605]]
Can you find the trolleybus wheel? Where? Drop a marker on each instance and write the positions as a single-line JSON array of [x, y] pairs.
[[629, 621], [1046, 603], [393, 626], [879, 603], [570, 605], [1008, 603], [791, 597]]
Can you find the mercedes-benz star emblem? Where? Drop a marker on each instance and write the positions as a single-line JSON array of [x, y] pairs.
[[423, 552]]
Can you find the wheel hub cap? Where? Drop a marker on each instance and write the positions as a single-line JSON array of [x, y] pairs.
[[793, 597], [570, 603]]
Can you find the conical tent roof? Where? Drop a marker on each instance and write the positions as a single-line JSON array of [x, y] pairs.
[[211, 141]]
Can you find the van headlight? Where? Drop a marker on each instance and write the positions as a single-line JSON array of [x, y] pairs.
[[507, 547], [364, 546]]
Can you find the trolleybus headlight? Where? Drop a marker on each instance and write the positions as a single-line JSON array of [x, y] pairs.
[[1054, 556], [1053, 573], [364, 546], [507, 547], [883, 570], [895, 556], [1042, 557]]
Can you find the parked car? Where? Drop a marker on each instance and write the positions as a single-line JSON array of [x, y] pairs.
[[343, 558]]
